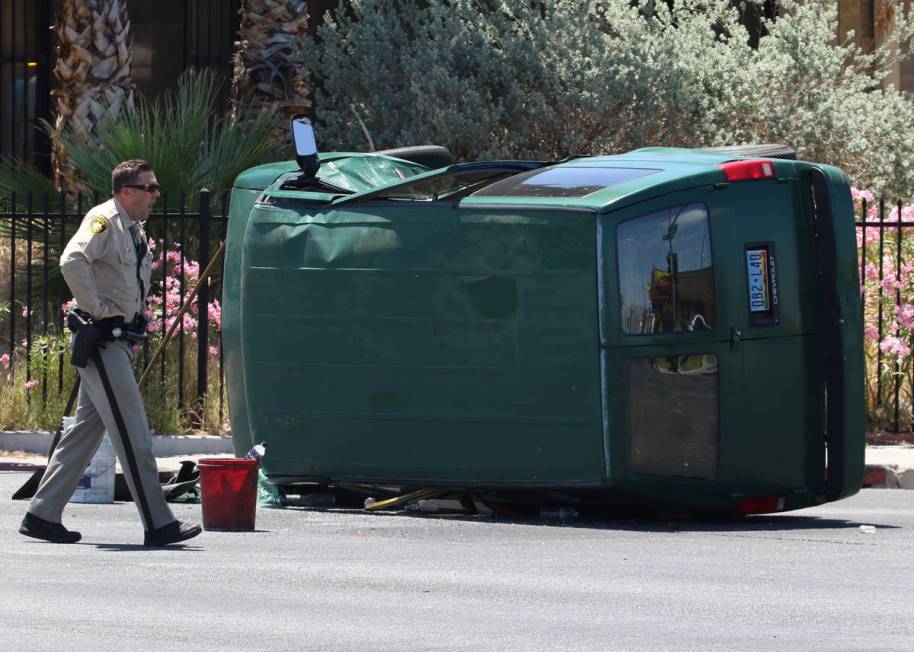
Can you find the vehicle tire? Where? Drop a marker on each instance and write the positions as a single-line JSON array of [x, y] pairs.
[[766, 150], [431, 156]]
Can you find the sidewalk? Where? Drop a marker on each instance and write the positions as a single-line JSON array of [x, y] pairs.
[[23, 451], [890, 467]]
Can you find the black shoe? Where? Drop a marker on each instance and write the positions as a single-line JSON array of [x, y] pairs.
[[38, 528], [172, 533]]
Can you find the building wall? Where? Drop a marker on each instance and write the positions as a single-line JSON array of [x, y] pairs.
[[871, 20]]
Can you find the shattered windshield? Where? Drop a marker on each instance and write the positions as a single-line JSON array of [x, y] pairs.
[[452, 184]]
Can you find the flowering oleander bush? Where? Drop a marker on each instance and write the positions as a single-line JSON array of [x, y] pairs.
[[888, 296], [165, 299]]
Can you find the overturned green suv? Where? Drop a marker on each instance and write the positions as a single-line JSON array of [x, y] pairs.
[[664, 327]]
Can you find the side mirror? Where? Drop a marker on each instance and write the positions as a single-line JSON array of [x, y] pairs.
[[305, 145]]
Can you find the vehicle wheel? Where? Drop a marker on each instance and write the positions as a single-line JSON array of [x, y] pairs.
[[761, 150], [431, 156]]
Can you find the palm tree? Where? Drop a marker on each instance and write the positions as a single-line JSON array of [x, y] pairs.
[[268, 75], [93, 71]]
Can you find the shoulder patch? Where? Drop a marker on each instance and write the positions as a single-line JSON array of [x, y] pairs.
[[98, 225]]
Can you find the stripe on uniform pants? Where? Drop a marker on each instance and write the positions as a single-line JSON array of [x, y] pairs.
[[132, 468]]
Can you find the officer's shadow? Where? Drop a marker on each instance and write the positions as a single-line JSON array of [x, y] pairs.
[[139, 547]]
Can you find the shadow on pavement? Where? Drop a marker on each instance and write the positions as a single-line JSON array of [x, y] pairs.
[[139, 547], [765, 523]]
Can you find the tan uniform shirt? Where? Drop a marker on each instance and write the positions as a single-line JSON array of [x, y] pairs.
[[100, 263]]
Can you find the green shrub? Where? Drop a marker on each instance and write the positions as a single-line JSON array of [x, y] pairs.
[[529, 79]]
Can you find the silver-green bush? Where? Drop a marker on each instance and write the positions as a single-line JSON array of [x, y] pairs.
[[550, 78]]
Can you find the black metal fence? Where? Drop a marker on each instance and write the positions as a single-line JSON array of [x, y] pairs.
[[34, 231], [885, 236]]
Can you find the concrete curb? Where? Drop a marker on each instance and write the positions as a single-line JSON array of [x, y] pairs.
[[39, 443], [18, 466], [888, 476]]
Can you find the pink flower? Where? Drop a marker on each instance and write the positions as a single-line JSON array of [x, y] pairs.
[[214, 351], [29, 384], [871, 333], [25, 311], [861, 195], [891, 344], [5, 360], [890, 283], [905, 315]]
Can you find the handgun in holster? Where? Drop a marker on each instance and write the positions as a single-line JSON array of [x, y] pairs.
[[90, 334]]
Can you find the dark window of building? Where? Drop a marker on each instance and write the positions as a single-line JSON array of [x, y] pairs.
[[24, 79], [170, 36], [665, 272]]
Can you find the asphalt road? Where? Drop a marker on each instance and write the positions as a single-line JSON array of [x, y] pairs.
[[348, 580]]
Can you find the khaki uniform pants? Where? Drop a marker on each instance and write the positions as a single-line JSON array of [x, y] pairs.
[[129, 432]]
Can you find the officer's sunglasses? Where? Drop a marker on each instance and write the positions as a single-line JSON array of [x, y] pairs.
[[148, 187]]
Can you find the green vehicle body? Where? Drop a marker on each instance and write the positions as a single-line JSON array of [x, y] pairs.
[[545, 338]]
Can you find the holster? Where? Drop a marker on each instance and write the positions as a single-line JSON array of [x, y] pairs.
[[85, 341], [89, 334]]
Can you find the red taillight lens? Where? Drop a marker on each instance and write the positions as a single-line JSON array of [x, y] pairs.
[[762, 505], [761, 168]]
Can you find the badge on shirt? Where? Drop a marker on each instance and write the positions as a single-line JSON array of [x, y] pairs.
[[98, 225]]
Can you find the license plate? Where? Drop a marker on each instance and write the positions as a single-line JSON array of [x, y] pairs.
[[757, 266]]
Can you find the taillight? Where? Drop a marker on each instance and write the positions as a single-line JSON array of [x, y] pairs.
[[761, 168], [762, 505]]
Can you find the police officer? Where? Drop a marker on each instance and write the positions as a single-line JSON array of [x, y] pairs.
[[107, 266]]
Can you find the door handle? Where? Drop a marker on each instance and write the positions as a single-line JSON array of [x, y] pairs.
[[736, 336]]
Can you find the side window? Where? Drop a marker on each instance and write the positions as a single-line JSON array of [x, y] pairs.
[[665, 272]]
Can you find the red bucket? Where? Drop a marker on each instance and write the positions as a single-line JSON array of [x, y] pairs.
[[229, 493]]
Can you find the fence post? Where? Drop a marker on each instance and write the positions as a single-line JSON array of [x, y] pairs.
[[12, 353], [203, 295]]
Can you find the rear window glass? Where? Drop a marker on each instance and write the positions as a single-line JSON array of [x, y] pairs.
[[666, 273], [561, 182]]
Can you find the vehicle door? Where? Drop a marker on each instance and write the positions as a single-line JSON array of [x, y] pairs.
[[709, 366]]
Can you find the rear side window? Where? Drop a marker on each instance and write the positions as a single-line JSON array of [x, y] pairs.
[[666, 275]]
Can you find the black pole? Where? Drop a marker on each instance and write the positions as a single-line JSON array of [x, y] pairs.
[[45, 299], [182, 286], [27, 311], [164, 293], [881, 274], [203, 295], [12, 284], [898, 254]]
